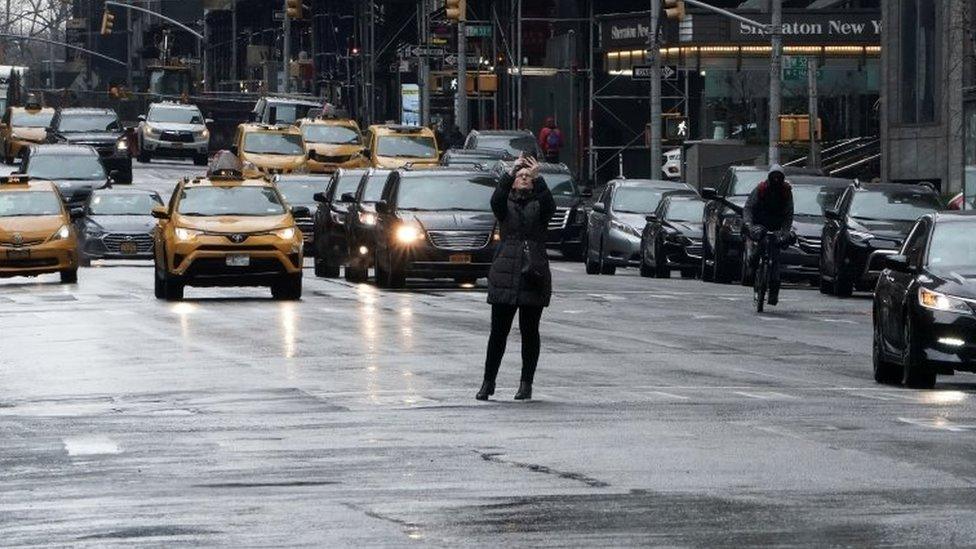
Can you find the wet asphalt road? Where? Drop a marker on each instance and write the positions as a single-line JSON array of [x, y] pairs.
[[666, 413]]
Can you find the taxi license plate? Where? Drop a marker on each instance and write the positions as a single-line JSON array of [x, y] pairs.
[[460, 258], [128, 248], [18, 254], [238, 260]]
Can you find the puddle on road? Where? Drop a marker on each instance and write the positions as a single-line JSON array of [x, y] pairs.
[[91, 445]]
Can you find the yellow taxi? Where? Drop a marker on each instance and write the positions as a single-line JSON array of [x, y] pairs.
[[393, 146], [226, 229], [22, 127], [36, 233], [332, 143], [270, 148]]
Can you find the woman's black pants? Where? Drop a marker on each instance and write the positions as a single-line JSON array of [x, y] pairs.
[[501, 324]]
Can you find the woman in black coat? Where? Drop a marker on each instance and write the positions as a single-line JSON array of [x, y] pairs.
[[519, 280]]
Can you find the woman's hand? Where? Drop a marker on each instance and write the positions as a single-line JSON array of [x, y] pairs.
[[532, 165]]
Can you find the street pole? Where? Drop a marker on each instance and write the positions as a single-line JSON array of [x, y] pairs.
[[286, 48], [654, 51], [461, 96], [128, 48], [422, 66], [813, 159], [775, 79], [233, 44], [518, 79]]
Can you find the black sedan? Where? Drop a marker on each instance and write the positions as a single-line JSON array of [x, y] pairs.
[[925, 303], [331, 246], [99, 129], [869, 222], [672, 238], [299, 190], [118, 224], [360, 223], [435, 224], [75, 169]]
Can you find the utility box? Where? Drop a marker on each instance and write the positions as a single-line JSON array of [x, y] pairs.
[[707, 161]]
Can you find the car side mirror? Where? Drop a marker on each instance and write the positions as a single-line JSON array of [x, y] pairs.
[[382, 207], [208, 121], [159, 212], [347, 197], [76, 213], [600, 208], [319, 197], [832, 214], [709, 193], [141, 118], [233, 150], [898, 263], [586, 193], [651, 218], [300, 211]]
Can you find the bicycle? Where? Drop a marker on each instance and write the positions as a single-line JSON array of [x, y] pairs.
[[767, 263]]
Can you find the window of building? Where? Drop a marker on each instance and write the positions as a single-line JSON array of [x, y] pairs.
[[919, 60]]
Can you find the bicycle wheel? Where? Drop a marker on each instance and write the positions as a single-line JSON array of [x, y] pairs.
[[760, 286]]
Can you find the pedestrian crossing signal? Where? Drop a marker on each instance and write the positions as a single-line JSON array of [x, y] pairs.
[[456, 10], [108, 21]]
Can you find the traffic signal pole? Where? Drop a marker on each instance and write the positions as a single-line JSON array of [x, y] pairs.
[[461, 96], [654, 52], [286, 49]]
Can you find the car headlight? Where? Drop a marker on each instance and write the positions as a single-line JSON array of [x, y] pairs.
[[61, 234], [122, 145], [408, 233], [367, 218], [93, 231], [186, 235], [287, 233], [151, 131], [624, 227], [204, 134], [936, 301], [860, 236]]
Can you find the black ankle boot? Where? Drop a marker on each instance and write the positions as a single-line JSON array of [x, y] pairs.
[[524, 392], [487, 389]]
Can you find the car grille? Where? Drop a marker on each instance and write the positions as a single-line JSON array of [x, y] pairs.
[[459, 240], [176, 137], [11, 244], [560, 219], [307, 227], [808, 245], [113, 242], [104, 149], [333, 159]]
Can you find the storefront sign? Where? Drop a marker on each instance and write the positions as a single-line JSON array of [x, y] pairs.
[[631, 31], [814, 28]]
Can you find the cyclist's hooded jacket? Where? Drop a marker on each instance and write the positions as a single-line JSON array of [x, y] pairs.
[[770, 205]]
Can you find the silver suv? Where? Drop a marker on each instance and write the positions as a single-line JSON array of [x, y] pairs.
[[173, 130]]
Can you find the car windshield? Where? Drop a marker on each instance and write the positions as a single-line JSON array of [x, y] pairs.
[[560, 184], [28, 119], [446, 193], [173, 115], [65, 167], [406, 146], [374, 187], [14, 204], [273, 143], [216, 201], [334, 135], [347, 183], [745, 182], [686, 210], [299, 192], [288, 113], [88, 123], [953, 247], [812, 200], [637, 199], [123, 204], [515, 145], [894, 204]]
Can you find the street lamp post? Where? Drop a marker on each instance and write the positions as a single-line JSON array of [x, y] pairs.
[[775, 79]]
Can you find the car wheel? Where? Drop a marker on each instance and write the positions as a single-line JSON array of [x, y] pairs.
[[125, 176], [592, 267], [380, 274], [884, 371], [606, 269], [707, 272], [646, 270], [395, 276], [159, 286], [288, 287], [916, 372], [689, 273], [200, 160], [843, 286], [172, 289], [574, 253], [719, 267], [84, 260], [356, 273], [826, 286], [661, 269], [144, 157], [69, 276]]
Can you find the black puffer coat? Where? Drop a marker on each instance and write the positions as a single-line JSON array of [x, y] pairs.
[[521, 220]]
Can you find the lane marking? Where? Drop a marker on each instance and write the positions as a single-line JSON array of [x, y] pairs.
[[669, 395], [938, 423], [91, 445], [766, 395]]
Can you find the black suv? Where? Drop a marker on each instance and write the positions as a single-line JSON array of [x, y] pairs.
[[869, 222], [567, 228], [435, 223], [723, 242], [331, 247], [100, 129], [361, 223], [299, 190], [672, 238]]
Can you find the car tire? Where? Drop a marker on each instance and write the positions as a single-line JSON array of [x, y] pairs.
[[720, 269], [843, 286], [707, 272], [885, 371], [159, 285], [826, 286], [465, 280], [84, 260], [592, 267], [288, 287], [604, 268], [379, 273], [172, 289], [574, 253], [395, 277], [69, 276], [325, 267], [646, 270], [689, 274], [356, 273], [916, 372], [200, 159], [144, 157], [661, 269], [125, 176]]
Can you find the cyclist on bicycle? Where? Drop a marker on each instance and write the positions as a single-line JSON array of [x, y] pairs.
[[769, 209]]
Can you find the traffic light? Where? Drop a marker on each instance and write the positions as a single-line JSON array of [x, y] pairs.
[[294, 9], [108, 21], [456, 10], [674, 9]]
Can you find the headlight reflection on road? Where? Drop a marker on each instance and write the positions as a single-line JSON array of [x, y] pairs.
[[369, 335], [942, 397], [289, 328], [184, 310]]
